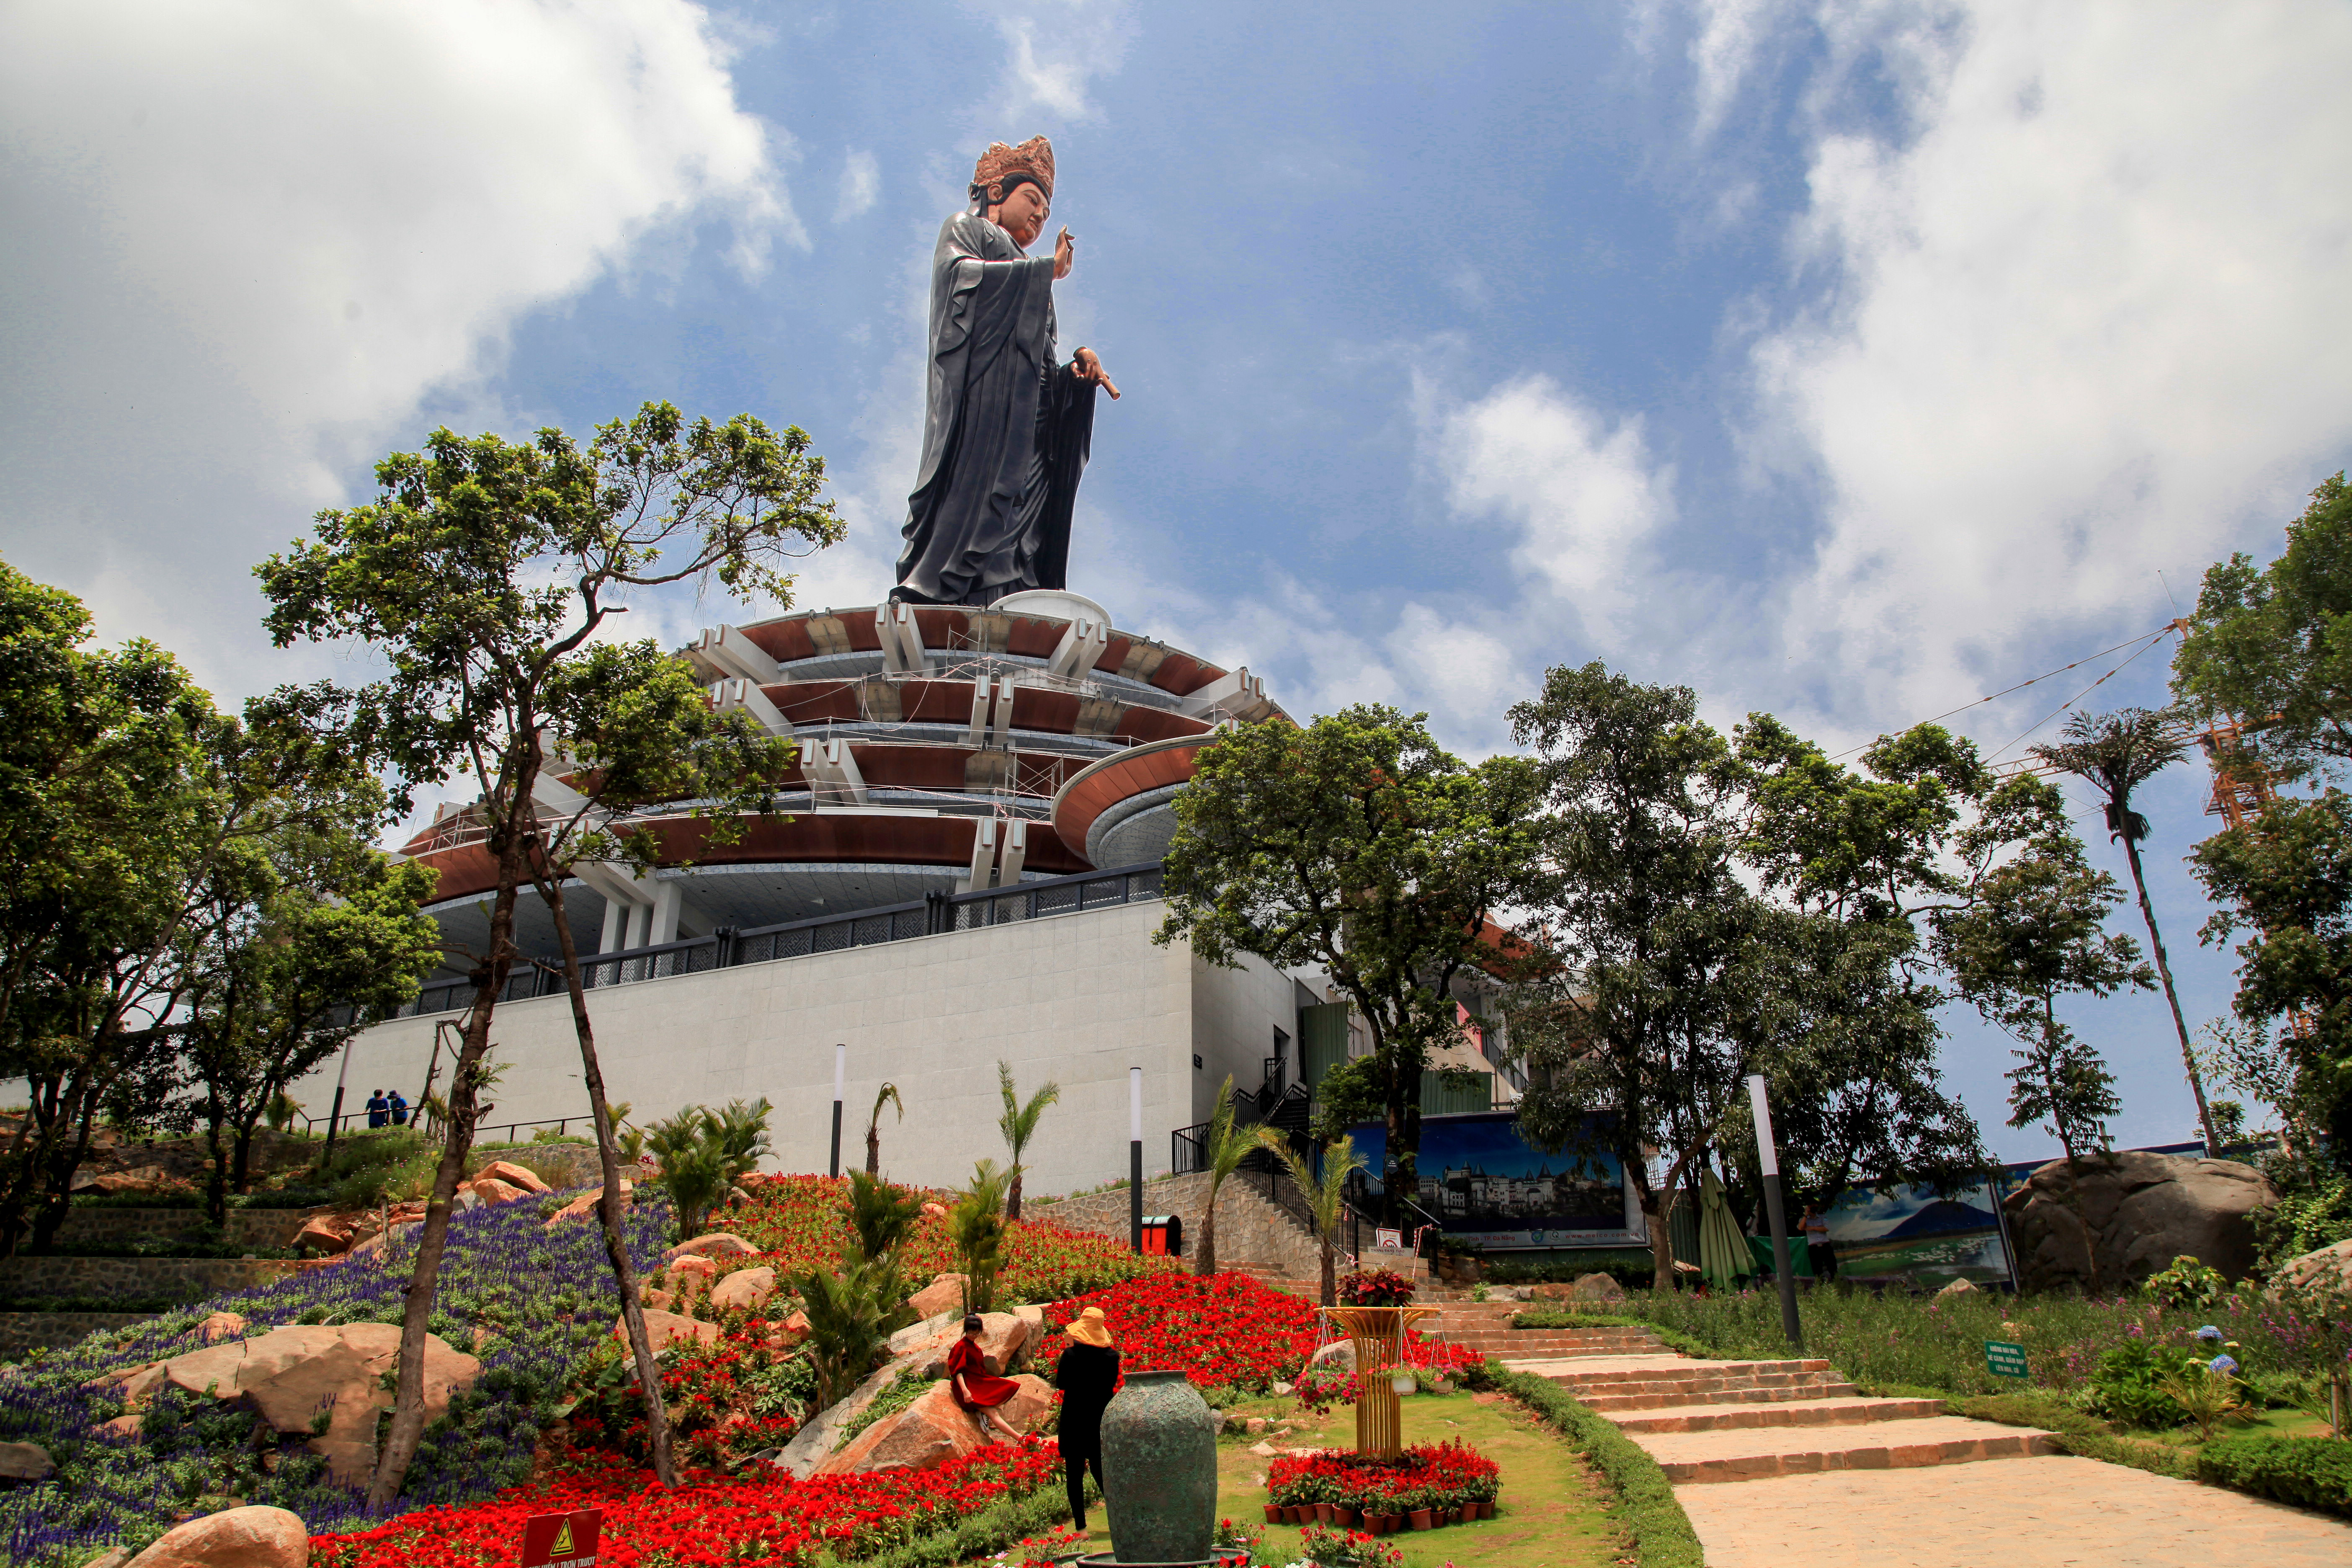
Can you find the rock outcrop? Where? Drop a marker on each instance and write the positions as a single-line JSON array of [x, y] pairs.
[[25, 1462], [944, 1293], [584, 1205], [2134, 1212], [2328, 1267], [290, 1374], [517, 1176], [717, 1244], [664, 1329], [935, 1429], [236, 1538], [1005, 1340], [745, 1291]]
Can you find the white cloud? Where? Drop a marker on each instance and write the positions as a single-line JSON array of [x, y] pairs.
[[1586, 495], [861, 186], [1056, 49], [2075, 330], [239, 242]]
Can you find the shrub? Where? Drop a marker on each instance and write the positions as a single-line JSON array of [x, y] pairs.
[[2312, 1472], [2129, 1384], [703, 1152], [2187, 1284]]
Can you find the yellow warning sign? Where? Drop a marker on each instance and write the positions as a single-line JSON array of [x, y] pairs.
[[562, 1547]]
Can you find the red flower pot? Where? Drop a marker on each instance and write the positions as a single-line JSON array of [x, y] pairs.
[[1274, 1513], [1297, 1513], [1485, 1510], [1465, 1514], [1420, 1517]]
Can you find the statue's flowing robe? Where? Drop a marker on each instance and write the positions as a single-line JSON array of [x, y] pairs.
[[1005, 429]]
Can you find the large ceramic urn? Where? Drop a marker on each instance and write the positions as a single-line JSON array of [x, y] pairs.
[[1160, 1470]]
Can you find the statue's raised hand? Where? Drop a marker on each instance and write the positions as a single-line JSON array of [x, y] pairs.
[[1063, 254], [1086, 367]]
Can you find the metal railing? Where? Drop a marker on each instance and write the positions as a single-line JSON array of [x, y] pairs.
[[354, 1120], [726, 949]]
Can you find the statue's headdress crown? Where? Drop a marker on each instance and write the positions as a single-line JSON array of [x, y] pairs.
[[1033, 158]]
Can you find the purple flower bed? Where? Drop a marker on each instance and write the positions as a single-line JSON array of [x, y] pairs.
[[547, 1294]]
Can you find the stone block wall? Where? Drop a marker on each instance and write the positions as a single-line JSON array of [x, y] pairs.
[[103, 1225], [189, 1278], [22, 1332], [1250, 1229]]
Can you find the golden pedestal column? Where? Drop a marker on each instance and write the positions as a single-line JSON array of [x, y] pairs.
[[1378, 1334]]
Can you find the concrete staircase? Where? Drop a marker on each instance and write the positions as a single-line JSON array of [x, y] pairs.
[[1706, 1421]]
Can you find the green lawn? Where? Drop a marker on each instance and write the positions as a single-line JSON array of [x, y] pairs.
[[1553, 1511]]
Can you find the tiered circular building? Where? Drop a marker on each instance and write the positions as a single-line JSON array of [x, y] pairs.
[[942, 750]]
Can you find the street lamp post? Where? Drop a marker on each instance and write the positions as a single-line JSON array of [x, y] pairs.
[[840, 1070], [1135, 1158], [1771, 1160]]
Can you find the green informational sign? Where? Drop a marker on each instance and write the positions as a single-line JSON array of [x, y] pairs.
[[2004, 1360]]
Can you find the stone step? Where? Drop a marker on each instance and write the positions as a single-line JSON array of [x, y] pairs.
[[1734, 1416], [1691, 1459], [1650, 1368], [1777, 1394]]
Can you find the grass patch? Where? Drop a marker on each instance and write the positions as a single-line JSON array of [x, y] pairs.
[[2312, 1472], [908, 1386], [1553, 1510]]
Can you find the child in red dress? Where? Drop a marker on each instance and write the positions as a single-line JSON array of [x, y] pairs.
[[974, 1386]]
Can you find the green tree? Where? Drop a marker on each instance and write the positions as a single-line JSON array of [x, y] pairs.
[[1228, 1146], [1326, 1195], [2272, 645], [976, 1223], [291, 955], [482, 575], [2037, 934], [1019, 1124], [1661, 980], [2282, 882], [2115, 753], [1359, 846], [124, 799]]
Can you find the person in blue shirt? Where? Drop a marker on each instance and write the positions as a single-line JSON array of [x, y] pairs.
[[379, 1110], [398, 1107]]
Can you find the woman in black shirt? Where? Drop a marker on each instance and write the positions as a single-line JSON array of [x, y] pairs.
[[1086, 1373]]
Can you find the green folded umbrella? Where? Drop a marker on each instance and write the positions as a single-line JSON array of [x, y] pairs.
[[1723, 1254]]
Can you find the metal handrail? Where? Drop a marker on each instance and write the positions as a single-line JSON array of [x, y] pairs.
[[727, 948]]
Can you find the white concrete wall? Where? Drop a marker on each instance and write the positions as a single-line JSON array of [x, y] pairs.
[[1235, 1015], [1077, 998]]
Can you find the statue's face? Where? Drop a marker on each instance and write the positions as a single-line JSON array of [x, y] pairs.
[[1022, 214]]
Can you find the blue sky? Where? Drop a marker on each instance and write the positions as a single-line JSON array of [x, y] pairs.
[[1844, 361]]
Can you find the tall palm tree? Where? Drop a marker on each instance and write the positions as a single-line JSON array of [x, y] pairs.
[[1019, 1124], [1327, 1199], [1228, 1146], [889, 1095], [2115, 753]]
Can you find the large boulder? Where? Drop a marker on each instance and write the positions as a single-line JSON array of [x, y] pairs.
[[584, 1205], [1340, 1355], [664, 1329], [290, 1374], [489, 1192], [935, 1429], [1596, 1288], [236, 1538], [745, 1291], [717, 1244], [1004, 1344], [513, 1175], [25, 1462], [2135, 1212], [326, 1234], [943, 1294]]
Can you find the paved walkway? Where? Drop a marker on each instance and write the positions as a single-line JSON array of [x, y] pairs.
[[2054, 1511], [1781, 1462]]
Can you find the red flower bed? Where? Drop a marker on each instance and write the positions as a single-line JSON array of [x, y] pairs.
[[772, 1522], [802, 1221], [1374, 1288], [1433, 1476], [1226, 1329]]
